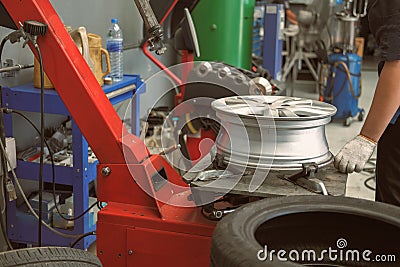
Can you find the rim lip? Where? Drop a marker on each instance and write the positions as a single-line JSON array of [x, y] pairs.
[[220, 107], [293, 165]]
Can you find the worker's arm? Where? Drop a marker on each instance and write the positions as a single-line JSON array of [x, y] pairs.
[[385, 103], [292, 18], [384, 22], [354, 155]]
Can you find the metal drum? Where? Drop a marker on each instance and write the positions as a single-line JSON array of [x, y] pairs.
[[345, 32], [274, 132]]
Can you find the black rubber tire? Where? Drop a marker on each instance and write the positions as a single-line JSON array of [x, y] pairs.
[[305, 222], [49, 257]]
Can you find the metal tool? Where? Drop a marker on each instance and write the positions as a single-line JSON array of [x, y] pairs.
[[218, 214], [121, 91], [210, 175], [9, 69], [16, 68], [306, 179], [358, 8], [169, 150], [260, 86], [154, 32]]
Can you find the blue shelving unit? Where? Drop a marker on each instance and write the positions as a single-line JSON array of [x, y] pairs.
[[22, 227]]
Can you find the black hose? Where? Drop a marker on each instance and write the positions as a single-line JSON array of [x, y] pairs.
[[348, 78], [99, 205], [3, 42], [81, 237], [366, 183], [41, 161], [371, 170]]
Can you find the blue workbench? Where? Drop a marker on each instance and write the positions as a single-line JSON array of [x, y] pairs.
[[22, 227]]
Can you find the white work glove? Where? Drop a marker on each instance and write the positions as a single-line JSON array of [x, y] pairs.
[[354, 155]]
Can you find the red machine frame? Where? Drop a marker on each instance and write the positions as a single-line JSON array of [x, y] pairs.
[[134, 229]]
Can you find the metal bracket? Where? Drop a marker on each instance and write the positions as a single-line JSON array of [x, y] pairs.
[[6, 64], [306, 179], [9, 69], [215, 214]]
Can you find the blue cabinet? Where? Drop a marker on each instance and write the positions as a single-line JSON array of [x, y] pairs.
[[22, 227]]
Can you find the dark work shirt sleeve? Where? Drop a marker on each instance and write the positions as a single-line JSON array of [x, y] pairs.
[[384, 22]]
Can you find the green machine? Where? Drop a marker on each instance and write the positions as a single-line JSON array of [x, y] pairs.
[[225, 31]]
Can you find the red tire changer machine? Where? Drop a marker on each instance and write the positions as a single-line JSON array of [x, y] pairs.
[[135, 229]]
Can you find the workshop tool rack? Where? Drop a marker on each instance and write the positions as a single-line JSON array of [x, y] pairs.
[[22, 227]]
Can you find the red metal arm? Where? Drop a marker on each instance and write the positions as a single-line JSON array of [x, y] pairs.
[[78, 87]]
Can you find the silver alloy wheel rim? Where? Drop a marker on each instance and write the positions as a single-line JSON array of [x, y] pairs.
[[299, 131]]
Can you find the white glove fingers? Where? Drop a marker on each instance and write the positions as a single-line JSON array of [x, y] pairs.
[[354, 155], [343, 165], [350, 167], [359, 167], [337, 160]]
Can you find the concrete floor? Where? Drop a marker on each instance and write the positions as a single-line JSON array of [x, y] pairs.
[[338, 135]]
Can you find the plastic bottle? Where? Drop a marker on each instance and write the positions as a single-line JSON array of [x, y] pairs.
[[114, 47]]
